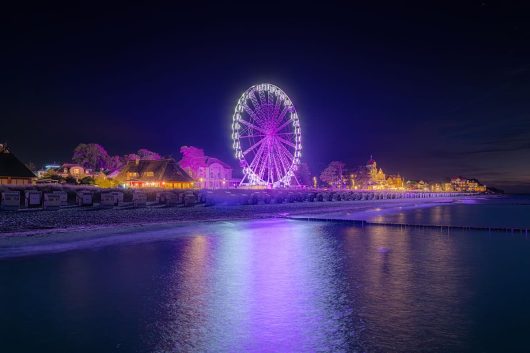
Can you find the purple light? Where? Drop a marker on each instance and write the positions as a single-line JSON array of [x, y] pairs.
[[266, 136]]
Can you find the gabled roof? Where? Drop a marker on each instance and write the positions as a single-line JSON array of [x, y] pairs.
[[211, 160], [11, 166], [163, 170]]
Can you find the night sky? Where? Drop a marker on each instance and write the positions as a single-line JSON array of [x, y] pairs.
[[432, 91]]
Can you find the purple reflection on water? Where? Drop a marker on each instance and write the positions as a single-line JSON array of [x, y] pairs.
[[269, 287], [275, 285]]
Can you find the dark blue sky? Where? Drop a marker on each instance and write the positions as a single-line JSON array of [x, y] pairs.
[[431, 91]]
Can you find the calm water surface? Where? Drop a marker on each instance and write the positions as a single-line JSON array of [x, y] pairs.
[[275, 286]]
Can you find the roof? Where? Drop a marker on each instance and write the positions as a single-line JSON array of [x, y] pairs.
[[163, 170], [211, 160], [11, 166]]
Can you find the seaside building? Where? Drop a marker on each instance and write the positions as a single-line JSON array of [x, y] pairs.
[[51, 172], [208, 172], [395, 182], [12, 170], [215, 174], [163, 173], [370, 177], [462, 184], [74, 170], [417, 185]]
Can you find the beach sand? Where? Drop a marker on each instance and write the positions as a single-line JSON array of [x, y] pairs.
[[39, 231]]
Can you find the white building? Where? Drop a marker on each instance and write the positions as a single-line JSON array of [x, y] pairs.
[[214, 174]]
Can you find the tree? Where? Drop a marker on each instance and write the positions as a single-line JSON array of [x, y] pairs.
[[115, 163], [87, 181], [144, 153], [333, 173], [131, 157], [102, 181], [91, 156], [192, 159], [303, 174], [52, 174], [70, 180]]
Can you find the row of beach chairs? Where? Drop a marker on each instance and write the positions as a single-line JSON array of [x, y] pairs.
[[52, 200], [27, 199]]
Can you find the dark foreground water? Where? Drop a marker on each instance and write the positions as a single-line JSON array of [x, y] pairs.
[[275, 286]]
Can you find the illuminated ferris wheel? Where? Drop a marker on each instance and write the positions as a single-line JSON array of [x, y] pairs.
[[266, 136]]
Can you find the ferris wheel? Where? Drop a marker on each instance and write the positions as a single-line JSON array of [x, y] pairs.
[[266, 136]]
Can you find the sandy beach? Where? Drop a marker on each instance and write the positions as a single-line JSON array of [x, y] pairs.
[[40, 231]]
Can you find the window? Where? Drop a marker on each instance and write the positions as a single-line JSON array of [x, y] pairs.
[[149, 174], [132, 174]]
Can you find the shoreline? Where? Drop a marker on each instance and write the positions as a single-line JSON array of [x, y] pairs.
[[72, 235]]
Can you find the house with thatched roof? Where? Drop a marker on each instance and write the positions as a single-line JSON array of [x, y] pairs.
[[163, 173], [12, 170]]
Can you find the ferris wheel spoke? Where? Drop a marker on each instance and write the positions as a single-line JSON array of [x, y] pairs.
[[254, 115], [272, 163], [257, 144], [277, 169], [287, 153], [270, 177], [283, 162], [252, 126], [271, 171], [281, 127], [282, 115], [281, 139], [256, 158], [262, 165], [268, 163], [250, 136]]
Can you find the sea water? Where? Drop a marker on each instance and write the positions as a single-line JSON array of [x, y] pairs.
[[283, 286]]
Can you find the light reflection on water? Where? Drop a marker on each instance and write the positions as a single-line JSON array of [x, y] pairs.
[[506, 212], [274, 286], [271, 287]]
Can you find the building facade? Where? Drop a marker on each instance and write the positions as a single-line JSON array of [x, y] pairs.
[[74, 170], [461, 184], [215, 174], [370, 177], [163, 173], [211, 173]]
